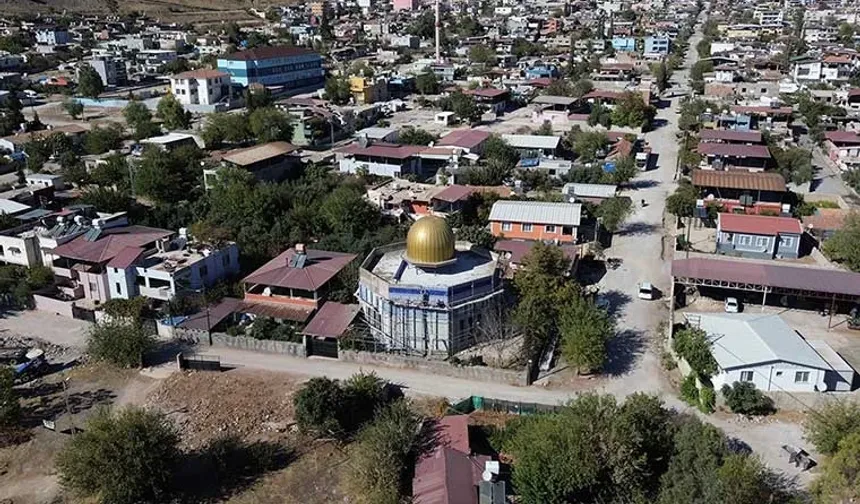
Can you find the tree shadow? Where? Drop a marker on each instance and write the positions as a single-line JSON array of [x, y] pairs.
[[622, 350], [642, 184], [590, 272], [52, 403], [165, 352], [614, 300], [637, 229], [226, 466]]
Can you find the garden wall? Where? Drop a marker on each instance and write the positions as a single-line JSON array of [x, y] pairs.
[[255, 345]]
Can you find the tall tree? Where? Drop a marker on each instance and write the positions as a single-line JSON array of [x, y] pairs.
[[268, 124], [585, 330], [172, 114], [844, 245], [139, 119], [90, 82]]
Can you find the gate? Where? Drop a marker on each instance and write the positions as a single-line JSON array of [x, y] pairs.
[[322, 347], [83, 314]]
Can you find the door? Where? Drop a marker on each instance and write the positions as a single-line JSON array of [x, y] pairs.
[[322, 347]]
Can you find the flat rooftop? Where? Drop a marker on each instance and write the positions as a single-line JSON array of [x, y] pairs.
[[470, 266]]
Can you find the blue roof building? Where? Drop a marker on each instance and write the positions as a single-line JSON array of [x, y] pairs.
[[624, 44]]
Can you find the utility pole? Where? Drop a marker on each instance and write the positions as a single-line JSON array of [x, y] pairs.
[[74, 429]]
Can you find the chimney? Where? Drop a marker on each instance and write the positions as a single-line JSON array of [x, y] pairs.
[[300, 248]]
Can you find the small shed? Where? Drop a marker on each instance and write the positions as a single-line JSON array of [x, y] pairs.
[[445, 118]]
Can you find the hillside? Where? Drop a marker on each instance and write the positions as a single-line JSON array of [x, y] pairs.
[[185, 11]]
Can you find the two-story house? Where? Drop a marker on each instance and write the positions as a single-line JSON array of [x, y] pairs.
[[378, 158], [843, 148], [200, 87], [294, 285], [758, 236], [535, 220]]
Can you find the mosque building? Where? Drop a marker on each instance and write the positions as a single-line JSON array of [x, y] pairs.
[[429, 295]]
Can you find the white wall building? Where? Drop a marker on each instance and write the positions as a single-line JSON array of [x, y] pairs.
[[762, 349], [200, 87]]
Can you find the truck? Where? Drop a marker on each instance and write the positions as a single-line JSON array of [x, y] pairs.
[[33, 365], [643, 159], [13, 355]]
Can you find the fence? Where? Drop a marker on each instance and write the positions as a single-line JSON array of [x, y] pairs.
[[474, 373], [198, 362], [479, 403]]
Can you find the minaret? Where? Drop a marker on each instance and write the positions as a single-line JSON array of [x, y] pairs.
[[438, 34]]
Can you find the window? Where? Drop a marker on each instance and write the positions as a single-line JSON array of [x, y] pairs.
[[507, 226], [761, 241], [801, 377], [787, 241], [763, 90], [118, 288], [527, 228], [1, 250], [746, 376], [567, 230], [779, 373], [744, 240], [550, 229]]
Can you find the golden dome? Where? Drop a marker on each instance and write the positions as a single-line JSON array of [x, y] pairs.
[[430, 242]]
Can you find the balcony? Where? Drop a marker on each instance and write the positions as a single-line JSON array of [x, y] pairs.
[[161, 293]]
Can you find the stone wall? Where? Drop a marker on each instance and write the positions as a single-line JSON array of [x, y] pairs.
[[476, 373], [51, 305], [255, 345]]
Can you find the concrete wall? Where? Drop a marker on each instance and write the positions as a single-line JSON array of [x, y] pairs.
[[51, 305], [255, 345], [477, 373]]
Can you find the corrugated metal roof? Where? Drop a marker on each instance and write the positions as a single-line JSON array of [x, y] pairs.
[[747, 339], [590, 190], [537, 212], [532, 141], [332, 320], [758, 224], [826, 281], [734, 150], [737, 179], [257, 153], [320, 267], [731, 135], [465, 138], [554, 100]]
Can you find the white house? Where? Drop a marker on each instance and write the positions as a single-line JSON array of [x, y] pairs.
[[764, 350], [200, 87]]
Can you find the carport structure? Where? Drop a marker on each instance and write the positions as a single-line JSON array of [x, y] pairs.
[[769, 279]]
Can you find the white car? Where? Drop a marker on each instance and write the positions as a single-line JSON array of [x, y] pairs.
[[646, 291], [732, 305]]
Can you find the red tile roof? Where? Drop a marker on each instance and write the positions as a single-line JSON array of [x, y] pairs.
[[465, 138], [602, 93], [830, 281], [448, 474], [109, 243], [332, 320], [826, 219], [486, 92], [263, 53], [731, 135], [383, 150], [837, 59], [320, 267], [206, 319], [848, 137], [125, 258], [734, 150], [763, 181], [758, 224], [540, 82], [853, 92], [453, 193]]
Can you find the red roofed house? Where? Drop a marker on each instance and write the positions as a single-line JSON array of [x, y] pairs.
[[730, 136], [293, 285], [843, 148], [495, 99], [450, 473], [470, 140], [379, 158], [721, 156], [200, 87], [758, 236]]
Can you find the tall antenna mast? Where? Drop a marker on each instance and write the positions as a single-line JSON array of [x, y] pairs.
[[438, 34]]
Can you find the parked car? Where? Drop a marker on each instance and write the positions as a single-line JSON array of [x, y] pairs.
[[647, 291], [733, 305]]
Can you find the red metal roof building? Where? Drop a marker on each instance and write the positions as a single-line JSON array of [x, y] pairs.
[[470, 139], [739, 156], [758, 224], [761, 192], [295, 281], [730, 136]]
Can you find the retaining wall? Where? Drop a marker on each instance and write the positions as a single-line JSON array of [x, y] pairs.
[[51, 305], [476, 373], [255, 345]]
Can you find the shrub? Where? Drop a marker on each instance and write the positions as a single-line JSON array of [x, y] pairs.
[[831, 423], [692, 344], [668, 361], [744, 398], [707, 399], [10, 409], [122, 457], [120, 342], [689, 390]]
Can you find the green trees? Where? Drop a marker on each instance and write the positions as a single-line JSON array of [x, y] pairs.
[[661, 73], [840, 478], [611, 452], [844, 246], [682, 202], [90, 83], [828, 425], [332, 408], [121, 457], [101, 139], [337, 90], [172, 114], [461, 104], [411, 135], [601, 115], [119, 342], [268, 124], [482, 54], [584, 329], [794, 163], [381, 455], [427, 84], [692, 344], [73, 107], [746, 399], [590, 145], [613, 212], [222, 127], [545, 129], [632, 111], [139, 119], [10, 408]]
